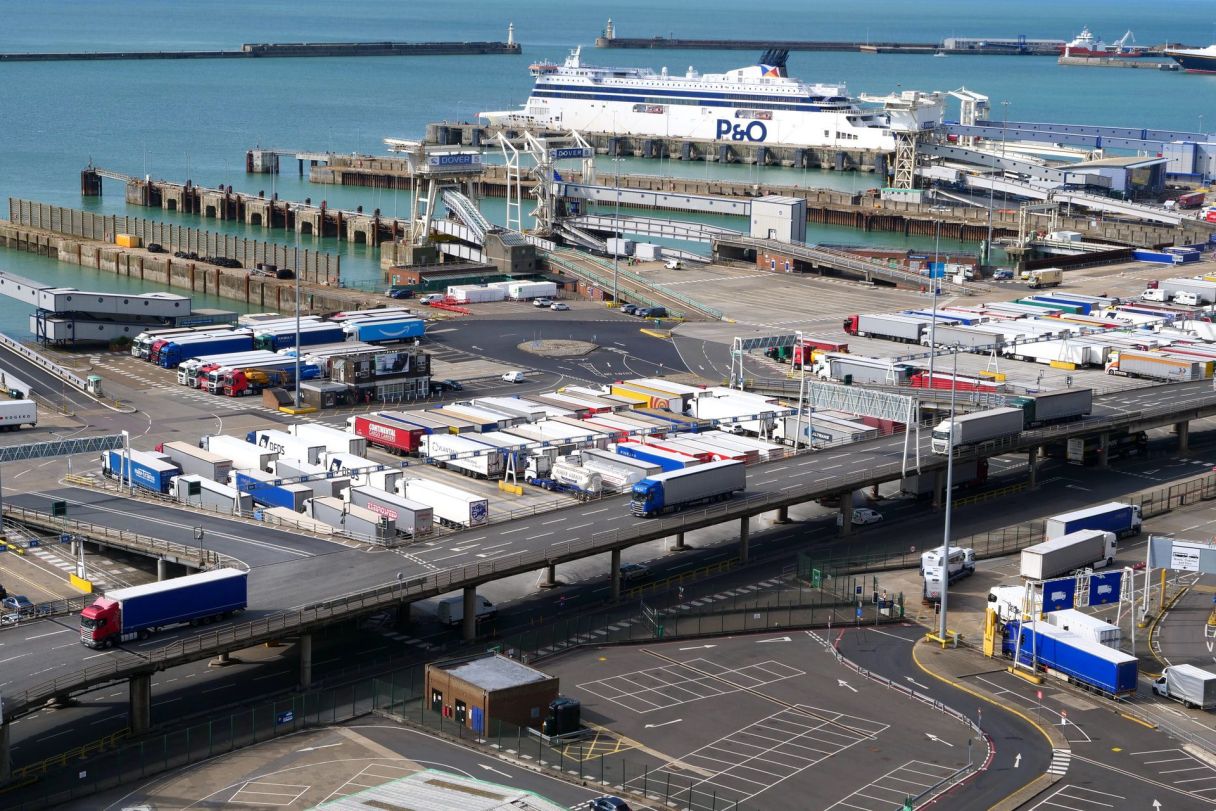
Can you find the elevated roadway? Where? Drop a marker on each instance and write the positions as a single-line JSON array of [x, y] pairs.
[[299, 583]]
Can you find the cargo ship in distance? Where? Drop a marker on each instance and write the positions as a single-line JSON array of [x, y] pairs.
[[1194, 60], [759, 104], [1086, 44]]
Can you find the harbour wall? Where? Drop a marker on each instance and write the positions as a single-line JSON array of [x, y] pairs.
[[864, 211], [281, 50]]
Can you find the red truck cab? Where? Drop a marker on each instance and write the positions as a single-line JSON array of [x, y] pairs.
[[101, 623], [850, 324]]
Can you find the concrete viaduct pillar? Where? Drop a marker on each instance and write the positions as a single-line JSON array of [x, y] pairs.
[[846, 513], [6, 766], [616, 575], [1032, 466], [305, 645], [162, 569], [550, 577], [783, 515], [1183, 430], [469, 622], [744, 539], [1103, 449], [679, 546], [939, 488], [139, 713]]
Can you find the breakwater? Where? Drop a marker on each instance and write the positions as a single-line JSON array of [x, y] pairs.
[[282, 50]]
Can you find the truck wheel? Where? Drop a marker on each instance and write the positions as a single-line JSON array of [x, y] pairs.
[[142, 635]]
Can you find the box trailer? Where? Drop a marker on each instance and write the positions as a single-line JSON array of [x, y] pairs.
[[452, 506], [1153, 366], [463, 455], [392, 435], [668, 460], [408, 516], [318, 478], [1095, 629], [891, 326], [244, 455], [361, 470], [334, 440], [966, 474], [194, 460], [139, 611], [200, 491], [1067, 553], [270, 491], [386, 330], [1070, 657], [1122, 519], [861, 370], [969, 430], [287, 445], [146, 470], [352, 520], [680, 489], [1046, 408]]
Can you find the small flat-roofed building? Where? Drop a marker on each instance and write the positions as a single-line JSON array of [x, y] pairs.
[[478, 691]]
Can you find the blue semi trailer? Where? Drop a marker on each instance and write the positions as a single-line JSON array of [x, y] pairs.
[[678, 489], [148, 470], [1077, 659], [174, 352], [136, 612], [374, 331]]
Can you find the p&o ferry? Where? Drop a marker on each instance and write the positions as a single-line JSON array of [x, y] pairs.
[[758, 104]]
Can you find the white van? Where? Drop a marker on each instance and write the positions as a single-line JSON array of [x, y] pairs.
[[451, 610], [513, 377], [1186, 298], [1153, 294], [674, 264]]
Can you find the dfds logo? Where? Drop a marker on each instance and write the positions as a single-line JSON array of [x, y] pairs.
[[755, 131]]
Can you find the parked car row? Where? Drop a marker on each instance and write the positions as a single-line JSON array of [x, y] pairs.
[[644, 312]]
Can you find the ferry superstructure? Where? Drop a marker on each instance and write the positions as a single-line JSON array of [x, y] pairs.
[[758, 104]]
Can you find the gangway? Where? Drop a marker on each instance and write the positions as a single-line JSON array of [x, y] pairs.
[[653, 227], [1089, 137], [580, 237], [467, 212]]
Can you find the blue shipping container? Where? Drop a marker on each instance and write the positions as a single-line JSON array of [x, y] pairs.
[[173, 601], [1088, 663]]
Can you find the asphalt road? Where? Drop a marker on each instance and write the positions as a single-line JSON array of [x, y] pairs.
[[1019, 752], [290, 572]]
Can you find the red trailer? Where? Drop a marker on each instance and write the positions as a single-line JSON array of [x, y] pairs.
[[395, 437], [941, 380]]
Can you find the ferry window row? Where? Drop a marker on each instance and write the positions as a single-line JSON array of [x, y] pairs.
[[841, 136]]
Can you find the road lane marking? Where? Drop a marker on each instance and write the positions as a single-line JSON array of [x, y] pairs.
[[534, 537], [49, 633]]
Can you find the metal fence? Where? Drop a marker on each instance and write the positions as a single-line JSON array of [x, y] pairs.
[[312, 266]]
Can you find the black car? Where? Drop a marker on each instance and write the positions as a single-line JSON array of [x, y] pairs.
[[155, 247], [284, 273], [608, 803]]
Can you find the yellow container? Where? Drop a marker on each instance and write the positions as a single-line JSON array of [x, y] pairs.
[[999, 377], [128, 241], [1063, 364]]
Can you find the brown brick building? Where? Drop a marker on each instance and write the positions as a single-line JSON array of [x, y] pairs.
[[480, 690]]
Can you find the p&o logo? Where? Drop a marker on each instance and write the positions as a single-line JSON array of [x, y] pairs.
[[753, 131]]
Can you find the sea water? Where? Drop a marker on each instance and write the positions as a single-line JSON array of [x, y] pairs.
[[196, 118]]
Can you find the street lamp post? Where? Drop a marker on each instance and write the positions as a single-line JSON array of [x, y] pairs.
[[616, 225], [945, 556]]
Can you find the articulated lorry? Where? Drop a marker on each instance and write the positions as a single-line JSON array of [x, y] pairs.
[[199, 491], [972, 429], [1067, 553], [139, 611], [892, 326], [452, 506], [679, 489], [1070, 657], [1049, 407], [392, 435], [244, 455], [1152, 366], [1122, 519]]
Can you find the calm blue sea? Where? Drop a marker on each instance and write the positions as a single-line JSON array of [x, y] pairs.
[[178, 119]]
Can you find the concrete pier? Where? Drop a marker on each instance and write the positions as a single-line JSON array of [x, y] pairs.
[[279, 50]]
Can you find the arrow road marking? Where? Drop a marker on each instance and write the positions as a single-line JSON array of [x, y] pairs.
[[315, 748], [1017, 761], [1157, 805], [665, 723], [845, 684], [918, 684], [774, 639], [492, 769], [699, 647], [933, 737]]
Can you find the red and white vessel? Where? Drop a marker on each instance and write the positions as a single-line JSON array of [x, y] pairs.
[[1086, 44]]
